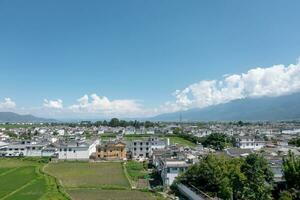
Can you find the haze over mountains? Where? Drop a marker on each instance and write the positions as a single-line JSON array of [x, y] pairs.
[[252, 109], [267, 108], [17, 118]]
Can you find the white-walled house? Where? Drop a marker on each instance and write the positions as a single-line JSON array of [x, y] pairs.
[[30, 149], [172, 169], [144, 148], [77, 150], [249, 142]]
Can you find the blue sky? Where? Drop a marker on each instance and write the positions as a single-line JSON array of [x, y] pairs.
[[135, 50]]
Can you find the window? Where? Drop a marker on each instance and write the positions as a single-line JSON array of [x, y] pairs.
[[134, 149], [147, 148], [65, 149], [33, 148], [147, 143], [70, 149], [134, 143], [141, 143], [141, 149]]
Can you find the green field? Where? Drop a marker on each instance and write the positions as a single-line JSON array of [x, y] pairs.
[[90, 194], [84, 174], [22, 179], [95, 181], [173, 139], [181, 141], [34, 179], [135, 170]]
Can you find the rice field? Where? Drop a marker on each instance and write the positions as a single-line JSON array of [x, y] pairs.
[[95, 181], [23, 180]]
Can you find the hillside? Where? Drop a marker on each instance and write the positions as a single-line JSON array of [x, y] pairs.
[[254, 109], [17, 118]]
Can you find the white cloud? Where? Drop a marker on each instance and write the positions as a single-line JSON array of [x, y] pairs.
[[258, 82], [102, 105], [55, 104], [276, 80], [7, 104]]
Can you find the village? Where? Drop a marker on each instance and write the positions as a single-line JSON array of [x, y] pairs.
[[168, 149]]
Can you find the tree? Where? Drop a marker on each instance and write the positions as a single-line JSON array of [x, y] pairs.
[[217, 141], [285, 195], [259, 178], [238, 179], [291, 171], [114, 122], [295, 142], [209, 176]]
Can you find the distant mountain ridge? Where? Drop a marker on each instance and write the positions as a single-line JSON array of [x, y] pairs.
[[17, 118], [251, 109]]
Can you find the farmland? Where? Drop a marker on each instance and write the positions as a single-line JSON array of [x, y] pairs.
[[84, 174], [95, 181], [34, 179], [21, 179], [173, 138]]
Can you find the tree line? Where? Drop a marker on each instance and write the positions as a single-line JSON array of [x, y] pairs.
[[247, 178]]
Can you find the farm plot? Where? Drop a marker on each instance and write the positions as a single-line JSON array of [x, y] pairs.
[[95, 181], [22, 180], [15, 179], [84, 174], [89, 194]]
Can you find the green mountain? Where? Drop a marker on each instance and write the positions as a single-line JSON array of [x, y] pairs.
[[251, 109]]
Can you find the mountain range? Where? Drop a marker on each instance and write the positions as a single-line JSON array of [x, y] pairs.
[[252, 109], [17, 118]]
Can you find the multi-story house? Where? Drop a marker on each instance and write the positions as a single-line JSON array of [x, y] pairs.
[[111, 150], [171, 168], [249, 142], [144, 148], [76, 150]]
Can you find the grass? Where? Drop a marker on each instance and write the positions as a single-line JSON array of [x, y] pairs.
[[135, 170], [173, 139], [90, 194], [33, 191], [16, 179], [84, 174], [101, 180], [10, 126], [22, 179], [34, 179], [181, 141]]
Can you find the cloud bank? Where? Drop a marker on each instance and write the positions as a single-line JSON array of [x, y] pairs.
[[258, 82], [272, 81], [55, 104], [97, 104], [7, 104]]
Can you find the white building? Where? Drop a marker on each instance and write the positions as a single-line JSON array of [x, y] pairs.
[[30, 149], [171, 169], [144, 148], [249, 142], [77, 150]]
